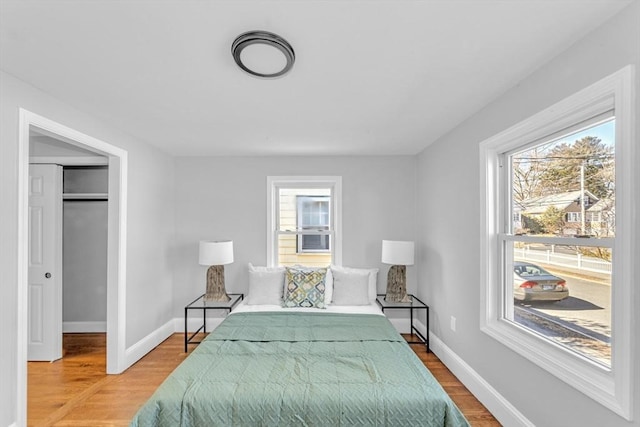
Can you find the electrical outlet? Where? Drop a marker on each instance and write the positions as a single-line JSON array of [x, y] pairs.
[[453, 323]]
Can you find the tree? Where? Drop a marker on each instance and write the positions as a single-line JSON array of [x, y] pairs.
[[552, 220], [561, 172], [527, 171]]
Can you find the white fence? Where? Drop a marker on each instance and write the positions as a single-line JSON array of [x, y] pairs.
[[578, 261]]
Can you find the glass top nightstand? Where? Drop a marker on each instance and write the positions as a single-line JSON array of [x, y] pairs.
[[415, 304], [200, 304]]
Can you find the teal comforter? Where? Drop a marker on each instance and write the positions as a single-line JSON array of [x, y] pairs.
[[301, 369]]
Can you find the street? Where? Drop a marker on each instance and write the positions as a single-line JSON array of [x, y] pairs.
[[582, 321]]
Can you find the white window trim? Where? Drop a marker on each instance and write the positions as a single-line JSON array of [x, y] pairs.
[[611, 387], [333, 182]]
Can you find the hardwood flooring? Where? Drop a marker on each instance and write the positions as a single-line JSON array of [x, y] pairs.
[[471, 408], [76, 392]]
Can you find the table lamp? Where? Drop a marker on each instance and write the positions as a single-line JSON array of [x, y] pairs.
[[399, 254], [216, 254]]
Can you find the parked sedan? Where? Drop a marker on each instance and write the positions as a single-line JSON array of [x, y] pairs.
[[534, 283]]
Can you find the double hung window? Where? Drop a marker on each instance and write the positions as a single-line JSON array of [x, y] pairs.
[[556, 284], [304, 221]]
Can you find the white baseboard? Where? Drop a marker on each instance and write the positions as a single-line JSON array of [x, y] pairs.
[[84, 327], [148, 343], [138, 350], [497, 404]]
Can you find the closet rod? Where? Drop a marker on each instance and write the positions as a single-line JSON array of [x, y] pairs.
[[85, 196]]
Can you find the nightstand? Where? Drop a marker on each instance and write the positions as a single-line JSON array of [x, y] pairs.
[[414, 305], [200, 304]]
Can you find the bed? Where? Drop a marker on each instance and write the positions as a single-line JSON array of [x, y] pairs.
[[265, 365]]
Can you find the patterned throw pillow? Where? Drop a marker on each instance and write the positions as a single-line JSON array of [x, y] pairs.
[[304, 287]]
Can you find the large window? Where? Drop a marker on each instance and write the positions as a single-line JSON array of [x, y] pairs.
[[560, 273], [304, 221], [556, 243]]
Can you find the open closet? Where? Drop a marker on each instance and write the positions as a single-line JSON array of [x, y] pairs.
[[84, 243]]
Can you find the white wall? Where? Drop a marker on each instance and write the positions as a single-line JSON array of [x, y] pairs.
[[226, 198], [150, 225], [449, 238]]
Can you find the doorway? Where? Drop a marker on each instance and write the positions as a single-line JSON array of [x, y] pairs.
[[68, 206], [116, 243]]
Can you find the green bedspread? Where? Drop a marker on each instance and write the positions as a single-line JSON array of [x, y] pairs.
[[301, 369]]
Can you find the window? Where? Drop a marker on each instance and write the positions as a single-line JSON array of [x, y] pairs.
[[554, 169], [573, 217], [313, 213], [304, 220], [594, 216], [559, 304]]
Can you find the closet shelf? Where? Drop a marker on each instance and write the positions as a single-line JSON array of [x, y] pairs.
[[85, 196]]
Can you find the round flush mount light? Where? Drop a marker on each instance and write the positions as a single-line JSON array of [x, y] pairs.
[[263, 54]]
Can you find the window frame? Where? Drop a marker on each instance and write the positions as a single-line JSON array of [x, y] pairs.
[[593, 217], [573, 217], [612, 387], [334, 183]]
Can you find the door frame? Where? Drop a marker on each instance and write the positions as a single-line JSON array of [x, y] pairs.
[[116, 244]]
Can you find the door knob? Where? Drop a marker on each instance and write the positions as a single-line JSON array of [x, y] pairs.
[[47, 275]]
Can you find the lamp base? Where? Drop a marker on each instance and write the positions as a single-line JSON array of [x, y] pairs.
[[215, 285], [397, 284]]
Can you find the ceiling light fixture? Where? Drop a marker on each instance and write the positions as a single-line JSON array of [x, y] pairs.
[[253, 52]]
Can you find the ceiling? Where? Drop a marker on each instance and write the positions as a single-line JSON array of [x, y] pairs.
[[371, 77]]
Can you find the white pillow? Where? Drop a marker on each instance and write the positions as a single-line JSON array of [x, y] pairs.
[[263, 268], [350, 288], [265, 285], [328, 287], [373, 278]]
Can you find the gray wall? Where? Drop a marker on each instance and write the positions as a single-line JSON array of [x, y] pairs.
[[150, 225], [84, 262], [84, 248], [449, 237], [226, 198]]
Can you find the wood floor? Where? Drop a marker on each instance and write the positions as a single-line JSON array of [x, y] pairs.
[[75, 391], [471, 408]]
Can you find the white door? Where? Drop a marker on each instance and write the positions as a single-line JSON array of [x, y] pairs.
[[45, 263]]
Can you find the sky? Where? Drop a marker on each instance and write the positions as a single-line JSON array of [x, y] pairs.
[[605, 131]]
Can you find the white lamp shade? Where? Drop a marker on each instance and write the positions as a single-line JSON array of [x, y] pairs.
[[216, 253], [396, 252]]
